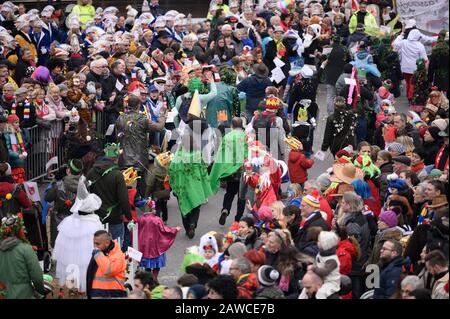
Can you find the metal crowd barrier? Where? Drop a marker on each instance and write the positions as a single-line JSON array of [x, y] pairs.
[[45, 143]]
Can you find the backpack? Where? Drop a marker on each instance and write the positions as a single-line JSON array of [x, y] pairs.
[[184, 108], [262, 123], [437, 240]]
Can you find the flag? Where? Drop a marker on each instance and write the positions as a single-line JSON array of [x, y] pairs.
[[196, 108]]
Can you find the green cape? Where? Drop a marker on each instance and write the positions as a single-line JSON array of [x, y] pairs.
[[189, 180], [232, 152]]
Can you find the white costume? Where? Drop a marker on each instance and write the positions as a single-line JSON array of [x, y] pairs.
[[74, 243]]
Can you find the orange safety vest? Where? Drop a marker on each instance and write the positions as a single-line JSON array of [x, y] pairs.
[[110, 274]]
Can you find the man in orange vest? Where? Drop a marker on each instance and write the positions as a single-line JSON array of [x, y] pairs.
[[106, 271]]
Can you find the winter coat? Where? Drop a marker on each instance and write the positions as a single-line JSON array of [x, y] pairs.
[[134, 138], [155, 183], [59, 108], [370, 23], [298, 165], [108, 83], [438, 291], [309, 248], [109, 184], [340, 82], [293, 287], [432, 149], [389, 278], [43, 43], [346, 252], [363, 236], [26, 41], [341, 139], [410, 50], [20, 270], [335, 64], [272, 292], [251, 241], [255, 89], [315, 221]]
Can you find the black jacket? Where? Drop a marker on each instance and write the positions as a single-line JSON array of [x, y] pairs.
[[108, 83], [389, 278], [271, 53], [109, 184], [335, 65], [337, 141], [431, 152], [315, 221], [385, 169]]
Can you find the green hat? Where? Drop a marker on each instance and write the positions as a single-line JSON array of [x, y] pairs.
[[75, 166], [112, 150], [157, 292], [189, 259], [435, 173]]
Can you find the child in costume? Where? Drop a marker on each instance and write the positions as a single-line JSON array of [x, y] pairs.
[[155, 239], [209, 249], [298, 163], [74, 243], [16, 149], [155, 184], [327, 265]]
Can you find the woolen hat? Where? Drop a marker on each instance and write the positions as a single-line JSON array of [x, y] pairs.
[[434, 132], [312, 200], [267, 275], [402, 159], [389, 218], [13, 118], [265, 213], [435, 173], [396, 147]]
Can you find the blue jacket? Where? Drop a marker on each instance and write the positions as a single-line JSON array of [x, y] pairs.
[[390, 277], [43, 46], [255, 90]]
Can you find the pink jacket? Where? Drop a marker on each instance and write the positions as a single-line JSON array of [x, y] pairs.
[[155, 238]]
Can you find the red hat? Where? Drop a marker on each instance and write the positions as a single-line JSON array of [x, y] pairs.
[[13, 118], [342, 153]]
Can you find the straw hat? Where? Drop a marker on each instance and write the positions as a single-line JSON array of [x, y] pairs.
[[342, 189], [346, 173]]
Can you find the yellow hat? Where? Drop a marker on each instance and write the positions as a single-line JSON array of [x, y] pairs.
[[164, 159], [130, 175]]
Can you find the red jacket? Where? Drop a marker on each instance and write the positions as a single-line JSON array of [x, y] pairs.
[[345, 252], [326, 208], [20, 197], [298, 165]]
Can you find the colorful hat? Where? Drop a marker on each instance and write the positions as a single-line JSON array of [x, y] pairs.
[[365, 163], [164, 159], [273, 103], [130, 175], [342, 189], [312, 199], [112, 150]]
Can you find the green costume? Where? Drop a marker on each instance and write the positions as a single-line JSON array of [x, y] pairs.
[[232, 152], [227, 99], [188, 178]]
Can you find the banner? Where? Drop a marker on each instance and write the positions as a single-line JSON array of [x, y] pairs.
[[430, 15]]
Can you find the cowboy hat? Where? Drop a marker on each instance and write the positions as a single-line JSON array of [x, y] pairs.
[[346, 173], [342, 189]]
